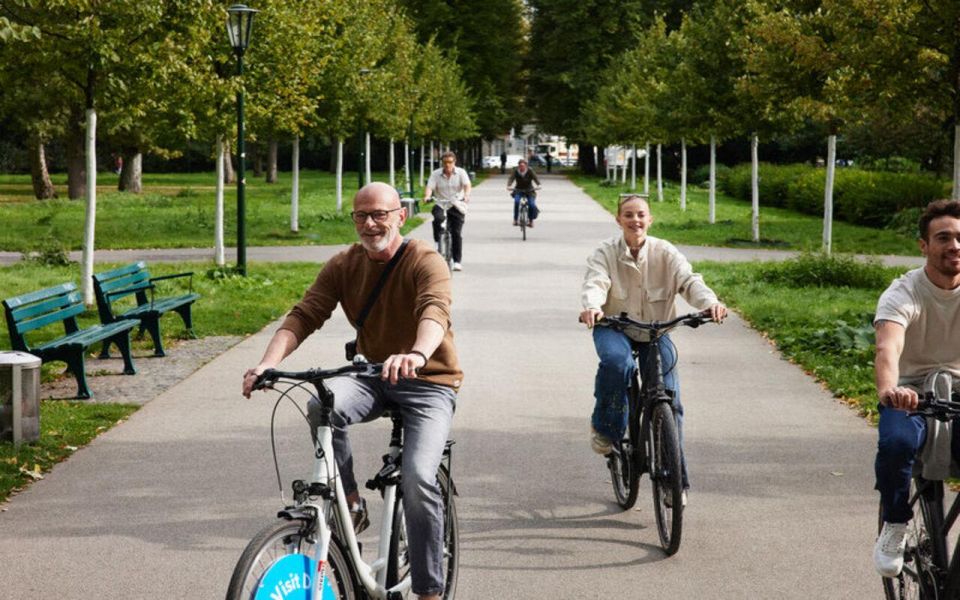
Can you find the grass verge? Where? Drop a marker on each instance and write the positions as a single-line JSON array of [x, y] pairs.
[[228, 305], [824, 325], [780, 229]]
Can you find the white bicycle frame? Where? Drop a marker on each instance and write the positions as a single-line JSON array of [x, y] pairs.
[[373, 576]]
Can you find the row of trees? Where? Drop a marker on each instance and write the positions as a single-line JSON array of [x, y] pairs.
[[698, 72], [158, 74]]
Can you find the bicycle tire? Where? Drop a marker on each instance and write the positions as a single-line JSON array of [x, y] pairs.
[[917, 580], [398, 560], [446, 249], [666, 476], [279, 539], [523, 221], [624, 474]]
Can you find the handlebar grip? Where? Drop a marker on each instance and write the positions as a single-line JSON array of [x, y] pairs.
[[265, 379]]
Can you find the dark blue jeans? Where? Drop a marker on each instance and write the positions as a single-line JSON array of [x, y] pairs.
[[531, 202], [612, 384], [900, 437]]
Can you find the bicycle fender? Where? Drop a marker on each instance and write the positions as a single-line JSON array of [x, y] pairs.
[[298, 513]]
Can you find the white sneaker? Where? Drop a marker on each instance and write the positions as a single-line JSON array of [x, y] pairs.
[[457, 266], [888, 553], [599, 443]]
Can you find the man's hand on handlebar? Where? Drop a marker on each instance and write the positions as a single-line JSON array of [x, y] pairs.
[[902, 398], [402, 366], [590, 316], [250, 379]]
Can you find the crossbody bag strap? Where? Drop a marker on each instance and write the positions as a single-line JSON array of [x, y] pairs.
[[371, 300]]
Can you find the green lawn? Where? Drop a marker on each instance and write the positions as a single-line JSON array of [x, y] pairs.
[[780, 229], [176, 210], [228, 305], [827, 330]]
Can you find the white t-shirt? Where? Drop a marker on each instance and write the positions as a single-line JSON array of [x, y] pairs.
[[931, 318], [450, 189]]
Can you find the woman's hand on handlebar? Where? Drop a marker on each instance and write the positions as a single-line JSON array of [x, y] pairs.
[[590, 317], [717, 312], [402, 366]]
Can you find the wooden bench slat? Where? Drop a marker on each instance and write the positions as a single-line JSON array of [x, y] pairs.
[[130, 280], [120, 271], [47, 319], [27, 311], [43, 294]]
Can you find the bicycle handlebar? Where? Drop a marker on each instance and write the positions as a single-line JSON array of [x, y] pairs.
[[942, 410], [364, 369], [621, 322]]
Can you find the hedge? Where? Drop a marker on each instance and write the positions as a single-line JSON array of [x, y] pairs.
[[869, 198]]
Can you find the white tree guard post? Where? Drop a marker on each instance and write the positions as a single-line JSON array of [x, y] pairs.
[[366, 155], [393, 182], [956, 163], [712, 197], [828, 194], [659, 172], [421, 164], [623, 170], [633, 168], [683, 174], [406, 163], [646, 170], [218, 256], [91, 214], [755, 187], [340, 175], [295, 186]]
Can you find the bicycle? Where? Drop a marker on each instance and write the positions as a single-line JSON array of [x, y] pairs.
[[523, 214], [315, 534], [929, 571], [446, 238], [651, 443]]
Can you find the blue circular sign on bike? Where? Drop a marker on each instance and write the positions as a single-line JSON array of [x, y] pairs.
[[292, 578]]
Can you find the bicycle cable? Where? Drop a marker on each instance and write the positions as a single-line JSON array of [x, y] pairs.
[[285, 394]]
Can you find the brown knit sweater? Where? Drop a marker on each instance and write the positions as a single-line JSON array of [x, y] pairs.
[[417, 289]]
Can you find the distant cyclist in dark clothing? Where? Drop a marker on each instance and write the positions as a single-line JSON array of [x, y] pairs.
[[523, 177]]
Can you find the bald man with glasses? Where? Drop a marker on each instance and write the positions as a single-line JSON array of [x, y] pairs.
[[408, 329]]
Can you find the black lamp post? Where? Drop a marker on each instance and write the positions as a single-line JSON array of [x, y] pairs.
[[361, 135], [239, 25]]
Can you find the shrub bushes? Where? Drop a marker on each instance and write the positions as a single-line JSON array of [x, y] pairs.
[[828, 270], [701, 175], [869, 198]]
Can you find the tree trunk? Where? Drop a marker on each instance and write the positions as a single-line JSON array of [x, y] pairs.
[[755, 187], [683, 174], [646, 171], [229, 173], [368, 176], [218, 210], [272, 161], [294, 185], [90, 220], [39, 175], [393, 182], [633, 168], [256, 158], [340, 175], [828, 193], [659, 172], [76, 167], [131, 173], [712, 201], [956, 162]]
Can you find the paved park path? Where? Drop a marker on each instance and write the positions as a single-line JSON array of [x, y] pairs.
[[782, 504]]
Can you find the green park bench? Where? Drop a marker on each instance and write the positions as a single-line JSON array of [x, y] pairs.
[[134, 280], [62, 303]]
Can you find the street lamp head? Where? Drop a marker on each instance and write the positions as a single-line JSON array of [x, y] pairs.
[[239, 25]]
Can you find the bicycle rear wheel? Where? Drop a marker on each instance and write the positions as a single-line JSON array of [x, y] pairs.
[[278, 540], [666, 476], [523, 221], [917, 580], [398, 563]]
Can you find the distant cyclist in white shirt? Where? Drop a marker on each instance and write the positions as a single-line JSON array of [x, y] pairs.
[[450, 183]]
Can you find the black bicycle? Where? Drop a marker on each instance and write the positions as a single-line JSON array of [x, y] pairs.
[[929, 572], [651, 443]]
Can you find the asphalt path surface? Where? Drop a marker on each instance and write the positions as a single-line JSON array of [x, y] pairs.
[[781, 506]]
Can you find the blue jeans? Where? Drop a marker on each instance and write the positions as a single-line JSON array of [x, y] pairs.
[[900, 437], [427, 411], [531, 203], [614, 376]]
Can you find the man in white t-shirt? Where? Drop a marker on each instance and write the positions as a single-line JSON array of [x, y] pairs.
[[450, 184], [918, 333]]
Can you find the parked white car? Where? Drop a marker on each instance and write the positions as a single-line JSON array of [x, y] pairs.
[[491, 162]]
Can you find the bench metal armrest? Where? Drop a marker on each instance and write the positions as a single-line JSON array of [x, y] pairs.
[[174, 276]]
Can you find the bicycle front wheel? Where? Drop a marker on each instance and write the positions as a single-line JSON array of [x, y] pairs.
[[917, 580], [523, 222], [666, 476], [446, 249], [624, 473], [278, 540], [398, 563]]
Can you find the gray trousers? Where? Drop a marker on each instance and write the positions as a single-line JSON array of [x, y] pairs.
[[427, 411]]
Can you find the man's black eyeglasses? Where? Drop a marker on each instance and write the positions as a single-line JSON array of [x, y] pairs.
[[379, 216]]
